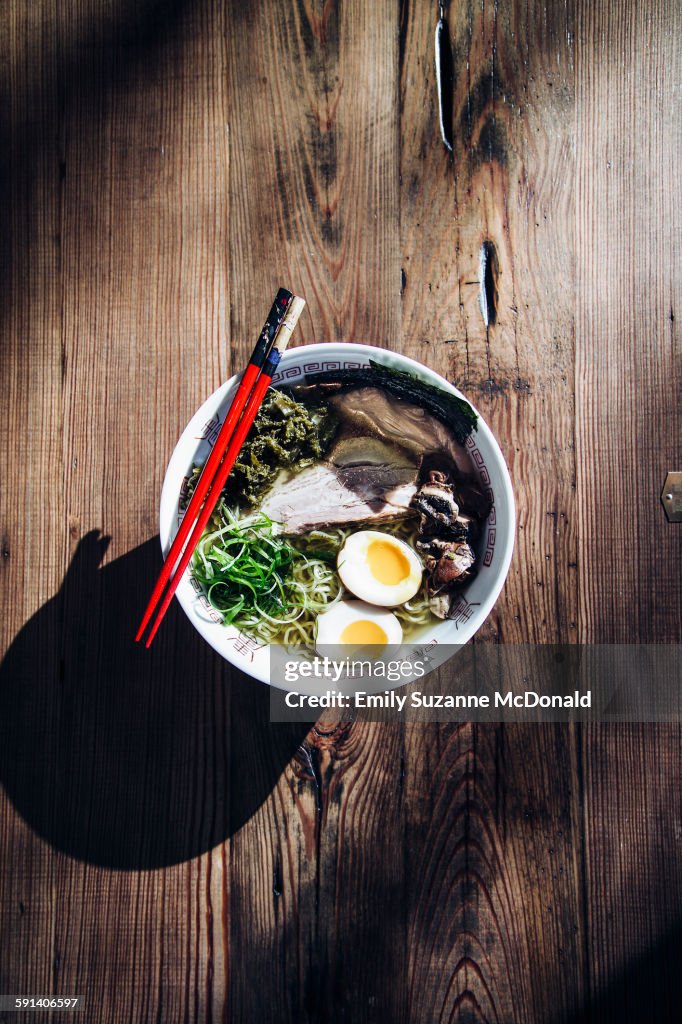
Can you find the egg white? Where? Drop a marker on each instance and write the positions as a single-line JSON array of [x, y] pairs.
[[331, 624], [356, 574]]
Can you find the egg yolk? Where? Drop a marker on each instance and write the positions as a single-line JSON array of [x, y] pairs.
[[363, 632], [387, 563]]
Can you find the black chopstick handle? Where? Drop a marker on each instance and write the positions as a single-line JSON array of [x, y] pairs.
[[283, 335], [271, 326]]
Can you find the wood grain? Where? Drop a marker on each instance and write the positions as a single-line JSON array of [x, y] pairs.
[[314, 173], [629, 361], [321, 127], [500, 821], [508, 184], [166, 851], [628, 374]]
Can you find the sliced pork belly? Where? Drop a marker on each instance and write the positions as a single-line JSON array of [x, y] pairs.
[[363, 480], [372, 410]]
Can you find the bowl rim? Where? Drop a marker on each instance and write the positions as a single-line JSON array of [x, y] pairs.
[[169, 494]]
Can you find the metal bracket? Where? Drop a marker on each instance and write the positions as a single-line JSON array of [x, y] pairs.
[[671, 496]]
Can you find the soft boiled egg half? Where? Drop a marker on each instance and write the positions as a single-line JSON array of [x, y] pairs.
[[379, 568], [357, 626]]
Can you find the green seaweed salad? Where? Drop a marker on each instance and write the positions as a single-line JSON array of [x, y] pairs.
[[285, 435]]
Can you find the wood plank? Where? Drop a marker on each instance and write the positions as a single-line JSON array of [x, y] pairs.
[[320, 912], [31, 416], [493, 839], [146, 314], [314, 187], [509, 184], [633, 866], [314, 203], [145, 234], [629, 360], [494, 927], [119, 205], [628, 434]]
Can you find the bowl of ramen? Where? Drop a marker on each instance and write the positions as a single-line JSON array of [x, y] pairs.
[[370, 504]]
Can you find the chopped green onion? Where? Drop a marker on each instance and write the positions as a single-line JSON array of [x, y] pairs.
[[259, 582]]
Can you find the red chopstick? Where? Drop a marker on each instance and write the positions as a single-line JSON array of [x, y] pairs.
[[258, 356], [263, 382]]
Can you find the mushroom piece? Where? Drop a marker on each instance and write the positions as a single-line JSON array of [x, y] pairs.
[[441, 604], [454, 563], [447, 536], [435, 501]]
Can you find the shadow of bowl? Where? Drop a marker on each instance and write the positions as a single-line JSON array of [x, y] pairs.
[[125, 757]]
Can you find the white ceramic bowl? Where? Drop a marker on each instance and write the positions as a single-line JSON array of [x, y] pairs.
[[497, 541]]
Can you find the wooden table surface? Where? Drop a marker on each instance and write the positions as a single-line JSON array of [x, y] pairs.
[[165, 851]]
